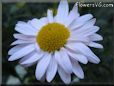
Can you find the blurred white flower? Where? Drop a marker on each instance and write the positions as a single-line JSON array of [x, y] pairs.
[[57, 43], [13, 80]]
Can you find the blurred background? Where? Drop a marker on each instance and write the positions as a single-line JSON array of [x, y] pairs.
[[13, 73]]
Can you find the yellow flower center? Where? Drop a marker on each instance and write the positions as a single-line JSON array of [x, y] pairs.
[[52, 37]]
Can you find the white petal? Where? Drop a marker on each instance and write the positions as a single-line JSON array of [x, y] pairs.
[[22, 52], [27, 57], [43, 78], [50, 16], [42, 66], [34, 23], [62, 60], [96, 37], [95, 45], [66, 59], [52, 69], [72, 15], [90, 31], [77, 69], [22, 42], [85, 17], [91, 22], [66, 77], [88, 24], [33, 58], [30, 23], [39, 23], [85, 27], [23, 37], [86, 32], [76, 38], [78, 57], [81, 21], [25, 29], [37, 47], [25, 24], [42, 22], [92, 60], [15, 49], [62, 12], [80, 47]]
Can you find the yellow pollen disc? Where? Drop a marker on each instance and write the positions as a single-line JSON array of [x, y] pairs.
[[52, 37]]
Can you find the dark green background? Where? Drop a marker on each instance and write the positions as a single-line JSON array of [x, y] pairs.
[[13, 12]]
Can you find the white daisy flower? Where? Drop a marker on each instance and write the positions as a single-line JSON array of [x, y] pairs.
[[57, 44]]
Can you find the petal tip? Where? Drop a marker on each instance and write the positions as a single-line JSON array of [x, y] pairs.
[[10, 59], [82, 77], [49, 80], [97, 61]]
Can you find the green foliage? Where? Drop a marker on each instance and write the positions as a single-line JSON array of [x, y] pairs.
[[13, 12]]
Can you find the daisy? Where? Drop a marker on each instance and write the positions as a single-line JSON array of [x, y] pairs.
[[57, 43]]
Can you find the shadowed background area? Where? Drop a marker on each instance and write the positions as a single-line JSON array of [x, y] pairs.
[[13, 73]]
